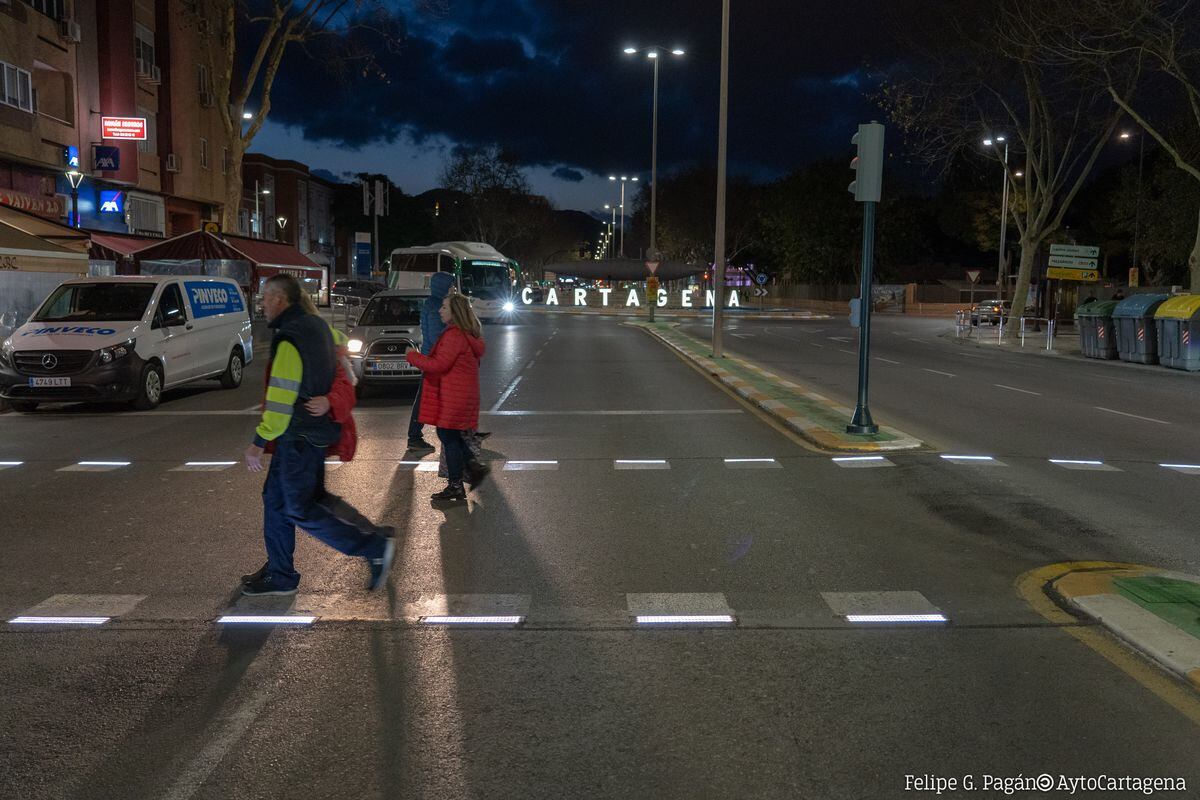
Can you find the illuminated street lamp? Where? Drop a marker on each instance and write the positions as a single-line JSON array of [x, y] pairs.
[[75, 177], [652, 54], [623, 179], [614, 219], [282, 223], [996, 142]]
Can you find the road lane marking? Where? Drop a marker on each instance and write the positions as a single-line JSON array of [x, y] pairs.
[[939, 372], [851, 352], [1186, 469], [204, 466], [743, 335], [529, 466], [623, 413], [898, 619], [1134, 416], [1094, 466], [1015, 389], [266, 619], [10, 464], [920, 341], [814, 344], [752, 463], [641, 463], [839, 338], [886, 360], [95, 466], [861, 462], [980, 460], [472, 620], [35, 620], [512, 387], [898, 607], [684, 619]]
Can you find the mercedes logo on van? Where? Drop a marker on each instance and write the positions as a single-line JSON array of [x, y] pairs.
[[49, 361]]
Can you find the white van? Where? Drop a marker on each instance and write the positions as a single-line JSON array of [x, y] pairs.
[[127, 338]]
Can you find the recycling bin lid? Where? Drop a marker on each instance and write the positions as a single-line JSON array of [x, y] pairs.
[[1183, 306], [1139, 305], [1097, 308]]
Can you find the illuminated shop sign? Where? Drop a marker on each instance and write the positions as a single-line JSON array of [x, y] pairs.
[[123, 127], [579, 298], [112, 202]]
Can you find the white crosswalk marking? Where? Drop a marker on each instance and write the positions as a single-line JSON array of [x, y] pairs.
[[95, 466], [83, 607], [861, 462], [1092, 466], [886, 606], [529, 466], [641, 463], [752, 463]]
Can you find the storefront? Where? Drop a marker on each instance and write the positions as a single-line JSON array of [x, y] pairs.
[[272, 258], [195, 253], [30, 268], [112, 253]]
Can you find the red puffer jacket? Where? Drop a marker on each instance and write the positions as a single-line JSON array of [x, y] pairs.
[[341, 407], [450, 394]]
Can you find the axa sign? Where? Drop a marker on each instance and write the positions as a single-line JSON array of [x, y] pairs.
[[106, 158], [123, 127], [112, 202]]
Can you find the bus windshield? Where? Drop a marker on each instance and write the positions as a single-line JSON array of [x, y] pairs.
[[486, 279]]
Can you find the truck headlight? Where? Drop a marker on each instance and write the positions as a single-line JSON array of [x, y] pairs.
[[355, 345], [117, 351]]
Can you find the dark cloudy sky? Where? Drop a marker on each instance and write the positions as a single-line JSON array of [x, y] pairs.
[[547, 79]]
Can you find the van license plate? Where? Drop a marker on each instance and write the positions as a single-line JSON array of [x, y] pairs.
[[49, 381]]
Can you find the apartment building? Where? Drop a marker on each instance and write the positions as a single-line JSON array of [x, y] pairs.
[[294, 206]]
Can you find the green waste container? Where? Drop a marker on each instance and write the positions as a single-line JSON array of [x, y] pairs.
[[1137, 335], [1178, 323], [1097, 339]]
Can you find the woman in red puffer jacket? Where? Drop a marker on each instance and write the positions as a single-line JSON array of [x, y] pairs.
[[450, 392]]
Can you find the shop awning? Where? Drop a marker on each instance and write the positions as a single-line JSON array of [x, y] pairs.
[[71, 239], [24, 252], [194, 246], [272, 254], [116, 246]]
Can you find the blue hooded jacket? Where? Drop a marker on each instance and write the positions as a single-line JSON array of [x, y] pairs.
[[431, 321]]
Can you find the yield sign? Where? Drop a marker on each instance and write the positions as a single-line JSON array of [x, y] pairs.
[[973, 275], [652, 266]]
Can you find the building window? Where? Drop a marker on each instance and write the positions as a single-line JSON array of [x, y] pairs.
[[150, 143], [17, 88], [145, 215], [203, 153], [55, 9], [202, 85], [143, 49], [244, 221], [224, 160]]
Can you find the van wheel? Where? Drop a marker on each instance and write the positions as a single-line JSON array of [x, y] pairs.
[[231, 378], [149, 388], [24, 406]]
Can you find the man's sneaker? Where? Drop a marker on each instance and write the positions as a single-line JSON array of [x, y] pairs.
[[419, 445], [477, 471], [452, 493], [264, 586], [256, 576], [382, 565]]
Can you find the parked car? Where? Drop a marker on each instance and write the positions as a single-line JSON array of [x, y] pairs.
[[990, 311], [387, 327], [358, 288], [127, 338]]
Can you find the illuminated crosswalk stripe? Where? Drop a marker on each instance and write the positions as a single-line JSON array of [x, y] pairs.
[[10, 464], [78, 609], [529, 466], [204, 466], [752, 463], [1186, 469], [1076, 464], [883, 607], [679, 608], [984, 461], [95, 466], [861, 462], [641, 463]]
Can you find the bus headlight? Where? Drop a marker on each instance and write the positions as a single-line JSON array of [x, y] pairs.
[[355, 345], [509, 307]]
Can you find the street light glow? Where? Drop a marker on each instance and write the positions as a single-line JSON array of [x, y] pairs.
[[987, 142], [247, 115], [652, 54], [630, 50], [999, 138], [678, 51], [1126, 135]]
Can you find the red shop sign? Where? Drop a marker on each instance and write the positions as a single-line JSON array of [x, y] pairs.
[[123, 127]]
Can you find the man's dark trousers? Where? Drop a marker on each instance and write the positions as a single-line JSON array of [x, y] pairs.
[[295, 482], [415, 428]]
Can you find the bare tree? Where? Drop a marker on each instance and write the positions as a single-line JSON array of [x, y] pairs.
[[266, 30], [986, 75], [1112, 37], [498, 205]]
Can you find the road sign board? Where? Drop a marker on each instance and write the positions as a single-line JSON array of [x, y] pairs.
[[762, 278], [973, 275], [761, 291], [1072, 262], [1085, 275], [652, 266], [1081, 251]]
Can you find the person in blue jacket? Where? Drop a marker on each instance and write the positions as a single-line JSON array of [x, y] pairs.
[[431, 328]]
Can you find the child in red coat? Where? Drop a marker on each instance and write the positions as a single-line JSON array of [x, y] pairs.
[[450, 392]]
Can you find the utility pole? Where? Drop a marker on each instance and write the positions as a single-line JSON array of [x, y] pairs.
[[718, 322], [866, 188]]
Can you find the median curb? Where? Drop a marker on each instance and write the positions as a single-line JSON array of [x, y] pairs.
[[1155, 611], [815, 418]]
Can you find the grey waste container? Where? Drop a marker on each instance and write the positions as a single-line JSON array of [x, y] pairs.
[[1096, 336], [1178, 323], [1137, 335]]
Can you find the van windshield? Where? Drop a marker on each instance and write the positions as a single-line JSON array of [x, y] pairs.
[[96, 302], [392, 311]]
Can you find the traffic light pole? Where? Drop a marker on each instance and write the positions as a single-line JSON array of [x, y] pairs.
[[862, 422]]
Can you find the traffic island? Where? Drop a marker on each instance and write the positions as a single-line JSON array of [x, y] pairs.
[[1155, 611], [815, 418]]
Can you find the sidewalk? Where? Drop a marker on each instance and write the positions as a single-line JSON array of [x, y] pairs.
[[815, 418], [1066, 340], [1155, 611]]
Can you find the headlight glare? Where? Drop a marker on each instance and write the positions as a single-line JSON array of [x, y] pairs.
[[355, 345], [509, 307]]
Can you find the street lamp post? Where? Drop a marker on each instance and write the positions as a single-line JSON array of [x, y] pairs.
[[257, 215], [1137, 207], [623, 179], [75, 177], [718, 323], [282, 223], [1003, 214], [613, 228]]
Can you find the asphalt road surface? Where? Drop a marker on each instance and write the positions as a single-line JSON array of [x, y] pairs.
[[646, 502]]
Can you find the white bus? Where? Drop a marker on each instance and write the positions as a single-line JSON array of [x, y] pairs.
[[480, 271]]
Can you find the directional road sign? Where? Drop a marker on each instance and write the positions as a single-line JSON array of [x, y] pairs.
[[1080, 251], [1063, 274]]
